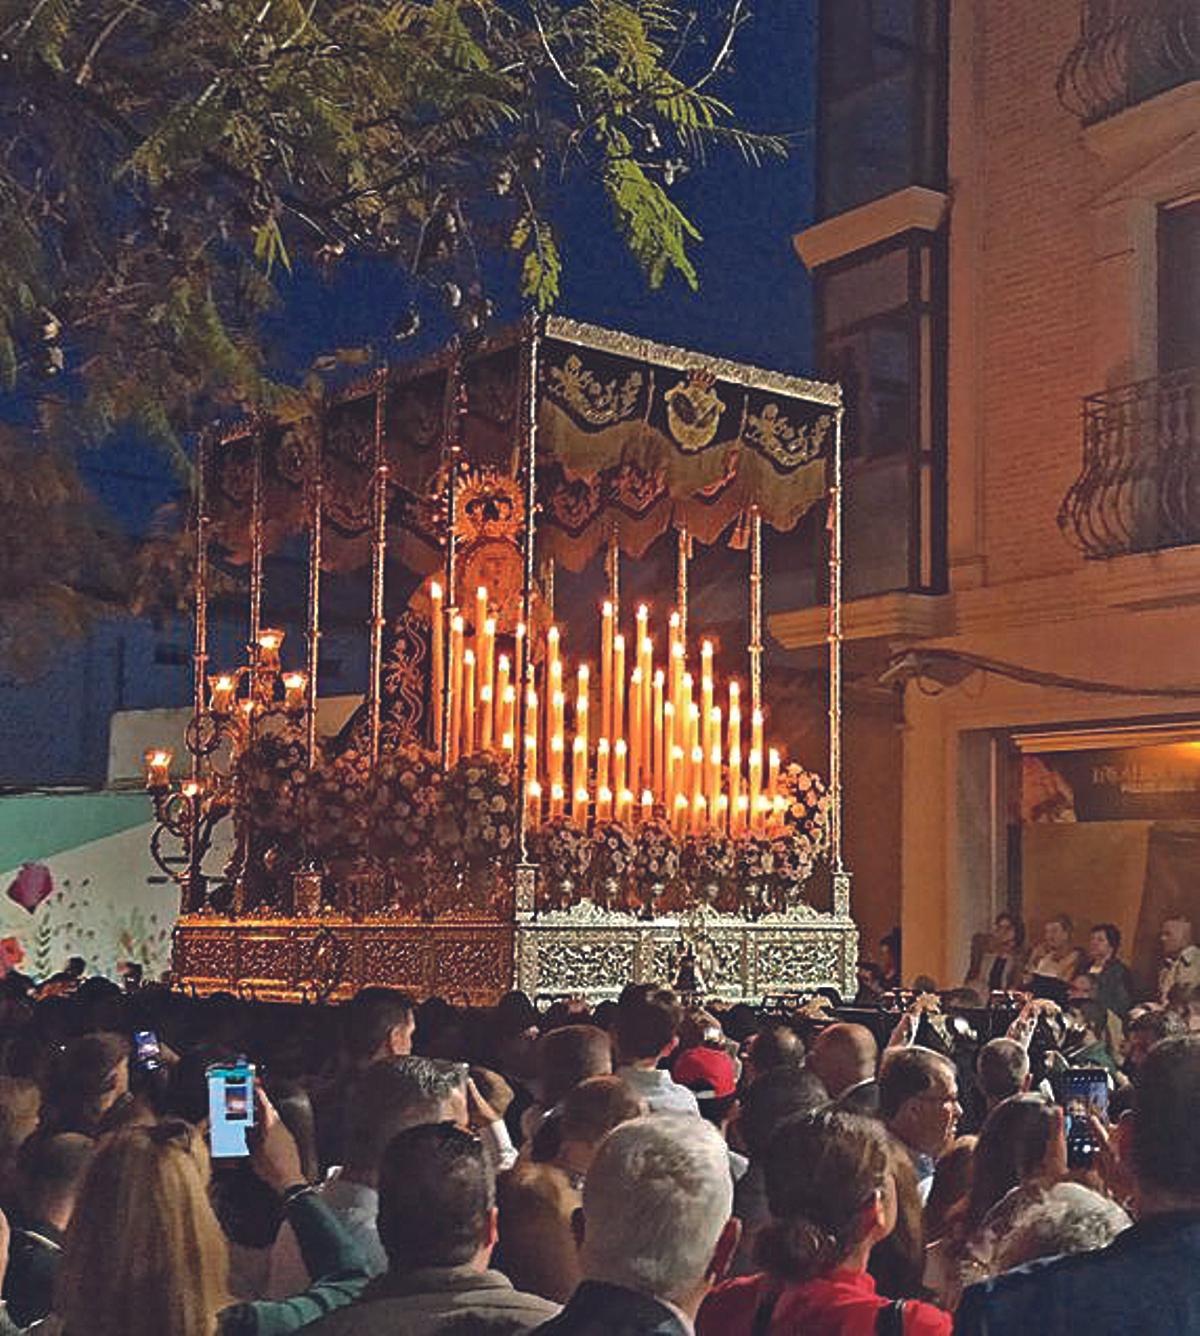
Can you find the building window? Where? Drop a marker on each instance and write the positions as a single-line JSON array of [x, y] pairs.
[[1179, 287], [883, 99], [882, 316]]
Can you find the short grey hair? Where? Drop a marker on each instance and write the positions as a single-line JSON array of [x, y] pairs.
[[657, 1196], [1065, 1218]]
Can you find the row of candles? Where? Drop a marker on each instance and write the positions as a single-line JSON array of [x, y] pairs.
[[664, 745]]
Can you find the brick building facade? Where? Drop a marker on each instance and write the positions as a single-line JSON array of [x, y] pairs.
[[1039, 656]]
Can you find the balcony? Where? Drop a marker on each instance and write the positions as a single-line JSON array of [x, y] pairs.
[[1140, 486], [1128, 52]]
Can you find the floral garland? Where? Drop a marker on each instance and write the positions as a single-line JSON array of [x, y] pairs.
[[333, 808], [808, 805], [402, 800], [709, 865], [655, 863], [564, 852], [477, 821], [270, 778], [613, 852], [755, 874]]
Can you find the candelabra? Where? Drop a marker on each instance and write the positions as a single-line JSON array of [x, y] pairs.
[[240, 704]]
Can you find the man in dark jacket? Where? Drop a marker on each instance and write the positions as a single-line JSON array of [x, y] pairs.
[[1145, 1281], [656, 1230], [437, 1223]]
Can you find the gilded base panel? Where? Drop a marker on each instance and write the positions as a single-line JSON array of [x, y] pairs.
[[595, 953], [584, 950]]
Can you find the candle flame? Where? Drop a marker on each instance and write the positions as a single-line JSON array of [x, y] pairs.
[[485, 692], [674, 620], [458, 623], [608, 607], [468, 656], [552, 634], [643, 612], [659, 677], [622, 747], [505, 663], [435, 590], [489, 626], [619, 643]]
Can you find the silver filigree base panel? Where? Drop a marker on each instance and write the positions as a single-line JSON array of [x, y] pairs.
[[594, 953]]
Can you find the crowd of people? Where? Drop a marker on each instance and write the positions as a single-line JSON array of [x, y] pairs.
[[648, 1166]]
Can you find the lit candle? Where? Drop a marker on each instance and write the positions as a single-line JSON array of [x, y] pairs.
[[558, 703], [581, 709], [625, 805], [773, 773], [647, 804], [618, 706], [519, 655], [620, 771], [221, 689], [706, 695], [295, 691], [635, 726], [603, 804], [531, 757], [437, 634], [533, 802], [505, 696], [531, 730], [579, 781], [192, 788], [270, 641], [680, 810], [603, 751], [557, 761], [606, 668], [742, 817], [670, 747], [508, 729], [158, 767], [697, 787], [675, 693], [481, 611], [557, 798], [553, 679], [778, 808], [712, 788], [721, 816], [646, 664], [487, 677], [755, 788], [699, 815], [487, 717], [735, 786], [456, 684], [658, 742], [467, 742], [756, 734]]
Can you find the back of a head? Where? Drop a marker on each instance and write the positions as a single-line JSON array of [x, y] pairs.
[[844, 1055], [435, 1193], [144, 1253], [591, 1111], [80, 1080], [779, 1095], [906, 1073], [569, 1055], [51, 1171], [1011, 1150], [821, 1170], [369, 1018], [648, 1024], [1166, 1131], [392, 1095], [776, 1046], [1002, 1069], [1065, 1218], [657, 1198]]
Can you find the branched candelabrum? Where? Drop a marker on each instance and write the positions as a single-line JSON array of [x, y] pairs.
[[240, 704]]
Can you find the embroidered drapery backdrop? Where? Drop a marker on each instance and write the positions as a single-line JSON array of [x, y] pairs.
[[632, 438]]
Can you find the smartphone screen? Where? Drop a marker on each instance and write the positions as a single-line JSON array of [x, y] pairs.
[[230, 1109], [146, 1051], [1082, 1092]]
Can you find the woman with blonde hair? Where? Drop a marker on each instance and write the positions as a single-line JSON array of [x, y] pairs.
[[145, 1255]]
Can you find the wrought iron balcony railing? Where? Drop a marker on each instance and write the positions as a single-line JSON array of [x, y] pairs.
[[1140, 486], [1129, 51]]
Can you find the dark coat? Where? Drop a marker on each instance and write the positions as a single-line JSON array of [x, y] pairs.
[[597, 1309], [1144, 1281]]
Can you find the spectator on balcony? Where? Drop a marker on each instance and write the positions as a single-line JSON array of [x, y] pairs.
[[999, 962], [1114, 983], [1181, 956], [1055, 962], [648, 1024]]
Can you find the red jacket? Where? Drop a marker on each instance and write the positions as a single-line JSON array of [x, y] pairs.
[[843, 1303]]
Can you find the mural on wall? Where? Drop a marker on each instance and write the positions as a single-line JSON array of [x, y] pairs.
[[79, 881]]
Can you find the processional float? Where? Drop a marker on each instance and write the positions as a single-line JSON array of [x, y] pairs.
[[520, 801]]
